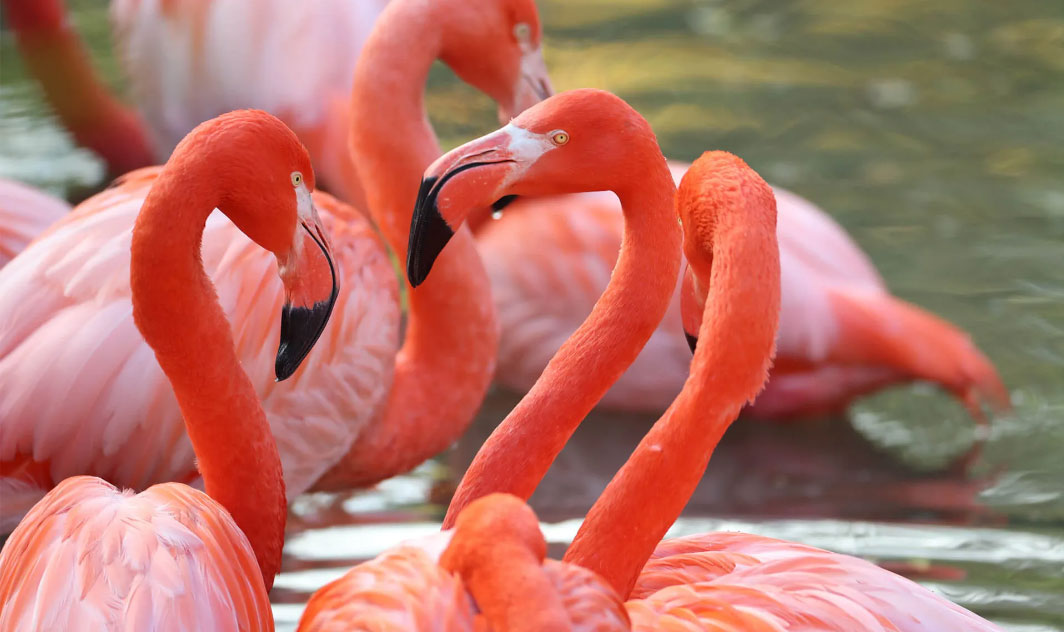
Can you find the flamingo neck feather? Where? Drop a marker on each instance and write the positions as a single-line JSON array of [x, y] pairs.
[[735, 345], [448, 355], [177, 311], [520, 451]]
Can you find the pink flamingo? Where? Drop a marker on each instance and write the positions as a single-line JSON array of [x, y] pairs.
[[360, 411], [89, 556], [591, 140], [842, 334], [24, 213]]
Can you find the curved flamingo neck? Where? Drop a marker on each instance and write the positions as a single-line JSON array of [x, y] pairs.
[[56, 57], [520, 451], [177, 311], [735, 346], [448, 356], [498, 550]]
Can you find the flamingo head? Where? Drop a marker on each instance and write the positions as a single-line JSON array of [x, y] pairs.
[[267, 194], [494, 45], [582, 140]]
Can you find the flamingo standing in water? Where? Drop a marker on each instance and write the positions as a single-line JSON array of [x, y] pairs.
[[494, 557], [91, 557], [68, 291], [188, 61]]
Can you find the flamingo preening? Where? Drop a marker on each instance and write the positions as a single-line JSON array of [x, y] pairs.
[[91, 557], [494, 558], [360, 411]]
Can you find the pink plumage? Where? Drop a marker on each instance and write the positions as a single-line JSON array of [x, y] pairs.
[[93, 558], [24, 213], [191, 60], [841, 332], [81, 392]]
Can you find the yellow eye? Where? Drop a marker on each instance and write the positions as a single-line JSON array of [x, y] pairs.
[[522, 31], [297, 178], [559, 137]]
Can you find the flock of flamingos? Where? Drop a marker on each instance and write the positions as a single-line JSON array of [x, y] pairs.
[[137, 334]]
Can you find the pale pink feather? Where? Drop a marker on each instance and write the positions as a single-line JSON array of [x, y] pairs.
[[550, 259], [737, 581], [81, 392], [191, 60], [24, 213], [89, 557]]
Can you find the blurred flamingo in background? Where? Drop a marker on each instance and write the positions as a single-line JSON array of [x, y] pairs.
[[68, 291], [89, 556], [583, 140], [842, 334], [24, 213]]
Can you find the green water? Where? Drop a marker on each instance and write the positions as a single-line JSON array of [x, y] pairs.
[[934, 132]]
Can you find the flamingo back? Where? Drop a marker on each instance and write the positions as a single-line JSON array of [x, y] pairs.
[[726, 581], [82, 393], [24, 213], [90, 557], [401, 589]]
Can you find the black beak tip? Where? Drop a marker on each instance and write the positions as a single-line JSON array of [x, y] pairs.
[[429, 233], [692, 341], [300, 329]]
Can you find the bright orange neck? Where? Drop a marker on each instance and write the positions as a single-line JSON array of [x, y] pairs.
[[735, 346], [176, 309], [448, 357], [520, 451], [55, 56]]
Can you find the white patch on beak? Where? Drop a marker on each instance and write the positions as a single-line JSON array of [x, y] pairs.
[[527, 147]]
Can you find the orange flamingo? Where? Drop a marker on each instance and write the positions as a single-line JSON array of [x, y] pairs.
[[582, 140], [842, 334], [24, 213], [89, 556], [361, 408]]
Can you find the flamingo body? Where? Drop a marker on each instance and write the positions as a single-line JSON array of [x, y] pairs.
[[82, 393], [841, 332], [99, 559], [190, 60], [728, 581], [24, 213]]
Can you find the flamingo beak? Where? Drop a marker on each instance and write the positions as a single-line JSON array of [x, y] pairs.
[[445, 200], [692, 302], [533, 85], [310, 291]]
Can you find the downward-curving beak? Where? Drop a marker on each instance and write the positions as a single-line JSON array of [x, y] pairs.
[[533, 85], [310, 291], [692, 304], [469, 177]]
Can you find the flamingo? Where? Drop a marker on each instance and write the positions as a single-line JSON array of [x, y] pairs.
[[493, 554], [842, 334], [24, 213], [92, 557], [363, 411]]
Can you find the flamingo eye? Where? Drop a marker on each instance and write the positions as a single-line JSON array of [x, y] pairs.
[[297, 178], [522, 31], [559, 137]]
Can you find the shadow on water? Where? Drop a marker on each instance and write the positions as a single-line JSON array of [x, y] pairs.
[[932, 132]]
